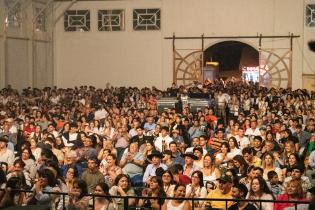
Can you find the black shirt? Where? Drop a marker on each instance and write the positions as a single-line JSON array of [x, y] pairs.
[[248, 207]]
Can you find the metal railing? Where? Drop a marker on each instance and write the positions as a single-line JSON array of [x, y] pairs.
[[193, 200]]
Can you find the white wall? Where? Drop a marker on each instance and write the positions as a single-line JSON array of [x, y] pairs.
[[17, 74], [2, 48], [120, 58], [145, 58], [25, 54]]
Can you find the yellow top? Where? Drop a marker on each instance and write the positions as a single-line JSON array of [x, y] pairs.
[[219, 204]]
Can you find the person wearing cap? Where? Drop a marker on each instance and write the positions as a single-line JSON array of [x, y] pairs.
[[155, 158], [162, 142], [6, 155], [239, 192], [224, 191], [190, 166]]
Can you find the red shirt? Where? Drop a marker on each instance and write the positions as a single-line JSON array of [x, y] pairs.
[[285, 197]]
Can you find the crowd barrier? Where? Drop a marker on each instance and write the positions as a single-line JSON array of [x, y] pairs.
[[127, 207]]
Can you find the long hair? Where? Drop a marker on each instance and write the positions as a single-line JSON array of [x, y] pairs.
[[226, 145], [212, 165], [105, 189], [47, 173], [119, 177], [235, 141], [240, 159], [82, 185], [171, 175], [13, 184], [200, 175], [263, 159], [264, 189], [299, 189], [159, 181]]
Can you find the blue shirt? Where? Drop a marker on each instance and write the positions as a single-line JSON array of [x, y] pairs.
[[150, 171]]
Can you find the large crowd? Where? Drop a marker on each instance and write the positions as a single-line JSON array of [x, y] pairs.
[[251, 143]]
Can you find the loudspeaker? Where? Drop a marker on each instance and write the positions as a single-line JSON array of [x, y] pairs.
[[197, 104], [166, 103]]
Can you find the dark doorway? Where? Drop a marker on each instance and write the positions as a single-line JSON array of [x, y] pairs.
[[231, 57]]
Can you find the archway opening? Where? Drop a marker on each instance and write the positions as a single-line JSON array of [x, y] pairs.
[[231, 58]]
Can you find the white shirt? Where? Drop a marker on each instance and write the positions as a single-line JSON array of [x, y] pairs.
[[251, 132], [7, 157], [150, 171], [100, 114], [242, 142], [72, 138], [13, 129], [233, 153], [159, 142]]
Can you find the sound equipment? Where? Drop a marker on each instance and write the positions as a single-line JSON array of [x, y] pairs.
[[197, 104], [166, 103]]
